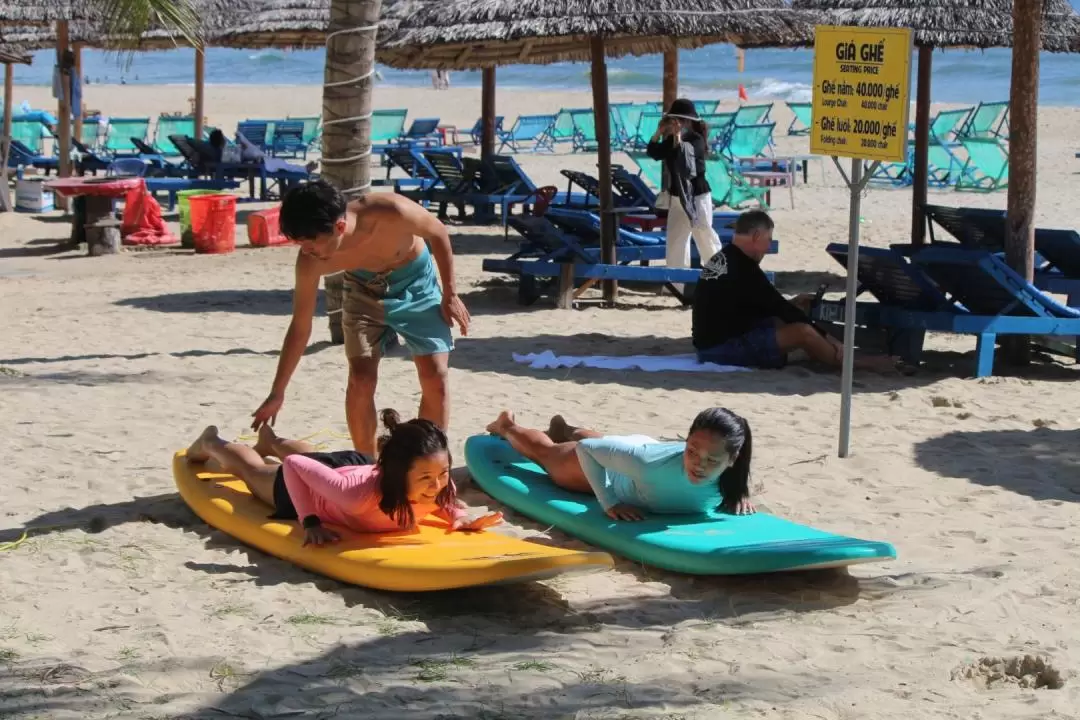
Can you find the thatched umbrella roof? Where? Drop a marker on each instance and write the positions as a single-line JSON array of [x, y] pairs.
[[13, 55], [37, 12], [471, 34], [298, 24], [951, 23]]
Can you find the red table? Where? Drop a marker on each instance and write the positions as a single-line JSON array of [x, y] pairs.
[[93, 221]]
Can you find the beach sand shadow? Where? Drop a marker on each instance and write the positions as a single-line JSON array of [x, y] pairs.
[[1042, 463], [495, 354], [408, 675], [247, 302], [312, 349]]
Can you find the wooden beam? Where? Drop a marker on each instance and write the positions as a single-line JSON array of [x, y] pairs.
[[9, 88], [77, 49], [601, 109], [922, 147], [1023, 131], [671, 76], [200, 87], [487, 113], [63, 110]]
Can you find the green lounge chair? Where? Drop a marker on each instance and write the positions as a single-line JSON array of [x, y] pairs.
[[720, 127], [989, 120], [987, 166], [706, 107], [120, 132], [803, 118], [29, 132], [584, 122], [749, 141], [753, 114], [563, 128]]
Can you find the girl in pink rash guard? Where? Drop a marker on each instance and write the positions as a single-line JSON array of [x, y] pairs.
[[410, 480]]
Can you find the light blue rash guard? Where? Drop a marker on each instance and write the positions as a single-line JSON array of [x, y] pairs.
[[646, 473]]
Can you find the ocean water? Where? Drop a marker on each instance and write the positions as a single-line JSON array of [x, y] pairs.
[[966, 76]]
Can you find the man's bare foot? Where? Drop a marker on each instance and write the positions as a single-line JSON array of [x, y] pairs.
[[559, 430], [265, 444], [502, 423], [197, 452]]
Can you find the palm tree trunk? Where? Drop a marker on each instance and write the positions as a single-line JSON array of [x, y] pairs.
[[1023, 118], [348, 80]]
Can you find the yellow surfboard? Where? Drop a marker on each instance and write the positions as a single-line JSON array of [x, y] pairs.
[[429, 558]]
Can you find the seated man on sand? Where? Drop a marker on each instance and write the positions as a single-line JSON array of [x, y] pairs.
[[740, 318], [631, 475], [410, 480]]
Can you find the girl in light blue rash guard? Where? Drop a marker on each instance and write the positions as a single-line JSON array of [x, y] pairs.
[[634, 474]]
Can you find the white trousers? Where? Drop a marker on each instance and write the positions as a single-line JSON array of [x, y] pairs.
[[680, 230]]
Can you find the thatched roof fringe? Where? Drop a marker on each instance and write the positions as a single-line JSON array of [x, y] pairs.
[[979, 24]]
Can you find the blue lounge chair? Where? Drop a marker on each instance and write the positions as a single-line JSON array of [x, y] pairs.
[[955, 290], [550, 254], [288, 139], [254, 131], [422, 133], [20, 156], [528, 129], [478, 129]]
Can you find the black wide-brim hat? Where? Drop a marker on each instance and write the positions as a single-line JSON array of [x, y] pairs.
[[682, 109]]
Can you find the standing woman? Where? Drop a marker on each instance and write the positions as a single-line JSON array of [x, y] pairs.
[[681, 144]]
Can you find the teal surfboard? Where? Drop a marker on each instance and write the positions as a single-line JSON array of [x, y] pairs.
[[706, 544]]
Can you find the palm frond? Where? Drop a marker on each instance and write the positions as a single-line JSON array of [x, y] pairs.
[[133, 18]]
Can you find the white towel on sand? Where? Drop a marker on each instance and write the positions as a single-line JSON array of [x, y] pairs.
[[648, 363]]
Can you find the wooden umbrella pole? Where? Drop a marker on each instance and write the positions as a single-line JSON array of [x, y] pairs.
[[603, 141], [1023, 121], [671, 76], [487, 113], [922, 147], [200, 85]]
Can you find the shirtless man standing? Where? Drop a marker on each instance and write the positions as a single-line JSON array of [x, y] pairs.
[[382, 242]]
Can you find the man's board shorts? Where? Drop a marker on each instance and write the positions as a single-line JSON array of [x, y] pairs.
[[283, 504], [406, 300], [756, 348]]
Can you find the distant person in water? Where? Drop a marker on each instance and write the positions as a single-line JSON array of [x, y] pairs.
[[632, 475], [410, 480]]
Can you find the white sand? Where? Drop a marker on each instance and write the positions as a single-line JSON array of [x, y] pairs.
[[123, 605]]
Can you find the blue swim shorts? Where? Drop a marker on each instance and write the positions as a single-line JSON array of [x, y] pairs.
[[406, 300], [756, 348]]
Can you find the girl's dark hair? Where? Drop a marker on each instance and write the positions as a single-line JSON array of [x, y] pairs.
[[735, 480], [399, 447], [702, 129]]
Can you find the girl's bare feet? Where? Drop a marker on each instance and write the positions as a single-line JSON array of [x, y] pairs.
[[559, 430], [504, 422], [197, 452], [265, 444]]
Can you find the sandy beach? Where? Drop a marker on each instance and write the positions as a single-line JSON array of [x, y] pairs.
[[121, 603]]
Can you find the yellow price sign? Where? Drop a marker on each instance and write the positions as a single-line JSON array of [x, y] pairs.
[[862, 79]]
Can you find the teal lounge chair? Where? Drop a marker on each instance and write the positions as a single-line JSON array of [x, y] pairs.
[[987, 166], [803, 118], [989, 120], [749, 141], [706, 107], [562, 130], [753, 114], [171, 125], [529, 133], [584, 130], [120, 132]]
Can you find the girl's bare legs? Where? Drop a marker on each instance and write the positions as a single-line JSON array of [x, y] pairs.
[[240, 460], [561, 431], [558, 459], [270, 445]]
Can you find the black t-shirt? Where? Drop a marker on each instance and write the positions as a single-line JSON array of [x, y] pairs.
[[667, 151], [733, 297]]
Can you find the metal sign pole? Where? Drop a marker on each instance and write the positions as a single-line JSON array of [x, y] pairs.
[[848, 371]]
